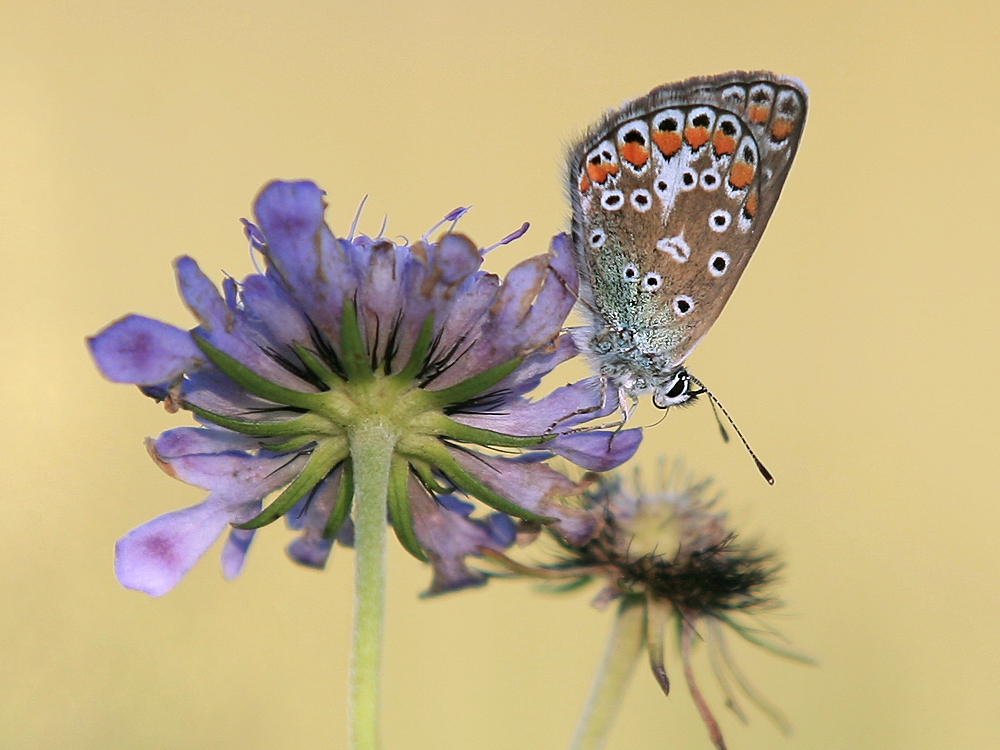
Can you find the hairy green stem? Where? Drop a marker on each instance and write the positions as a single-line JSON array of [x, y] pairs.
[[372, 444], [627, 640]]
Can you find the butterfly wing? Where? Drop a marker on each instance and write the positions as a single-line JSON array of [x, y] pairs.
[[671, 194]]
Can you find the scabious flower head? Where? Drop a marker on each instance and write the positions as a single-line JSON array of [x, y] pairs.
[[672, 554], [284, 367]]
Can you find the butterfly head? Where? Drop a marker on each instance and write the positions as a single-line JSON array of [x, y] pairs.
[[679, 390]]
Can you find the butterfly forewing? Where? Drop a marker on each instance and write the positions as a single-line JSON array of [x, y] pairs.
[[671, 194]]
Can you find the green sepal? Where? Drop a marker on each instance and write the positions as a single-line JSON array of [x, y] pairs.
[[399, 508], [304, 424], [657, 615], [317, 367], [775, 648], [342, 505], [292, 444], [565, 587], [448, 427], [475, 385], [260, 386], [324, 457], [426, 475], [419, 354], [355, 355], [432, 451]]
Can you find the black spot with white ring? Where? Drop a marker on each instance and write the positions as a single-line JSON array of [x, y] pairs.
[[641, 200], [630, 272], [652, 281], [612, 200], [719, 220], [683, 305], [597, 237], [718, 264], [710, 180], [689, 178]]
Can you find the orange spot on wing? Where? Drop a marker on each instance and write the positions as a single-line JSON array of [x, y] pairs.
[[584, 184], [599, 172], [723, 144], [781, 129], [750, 209], [668, 143], [635, 154], [740, 175], [758, 114], [697, 137]]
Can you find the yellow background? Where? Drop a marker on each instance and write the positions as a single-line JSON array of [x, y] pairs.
[[859, 354]]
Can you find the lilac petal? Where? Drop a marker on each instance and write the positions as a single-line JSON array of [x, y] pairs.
[[597, 451], [530, 309], [502, 529], [557, 296], [202, 297], [144, 351], [227, 329], [448, 538], [234, 553], [456, 258], [312, 549], [565, 406], [463, 324], [186, 441], [529, 375], [534, 487], [316, 267], [310, 552], [154, 557], [452, 503], [275, 311], [254, 235], [213, 391], [229, 471]]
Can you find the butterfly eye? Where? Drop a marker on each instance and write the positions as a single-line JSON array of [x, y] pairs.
[[683, 305], [652, 281], [679, 386], [674, 393], [597, 238], [630, 272], [718, 264], [719, 220]]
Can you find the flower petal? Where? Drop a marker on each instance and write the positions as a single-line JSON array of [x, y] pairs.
[[597, 451], [144, 351], [449, 536], [154, 557], [534, 487], [235, 473], [234, 553], [561, 409]]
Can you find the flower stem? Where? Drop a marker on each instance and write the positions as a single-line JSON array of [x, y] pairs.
[[628, 636], [372, 445]]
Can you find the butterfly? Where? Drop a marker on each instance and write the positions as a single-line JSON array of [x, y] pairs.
[[671, 194]]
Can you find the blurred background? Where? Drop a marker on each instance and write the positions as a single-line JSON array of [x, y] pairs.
[[859, 355]]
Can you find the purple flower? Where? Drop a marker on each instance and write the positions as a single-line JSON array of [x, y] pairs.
[[668, 556], [335, 333]]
